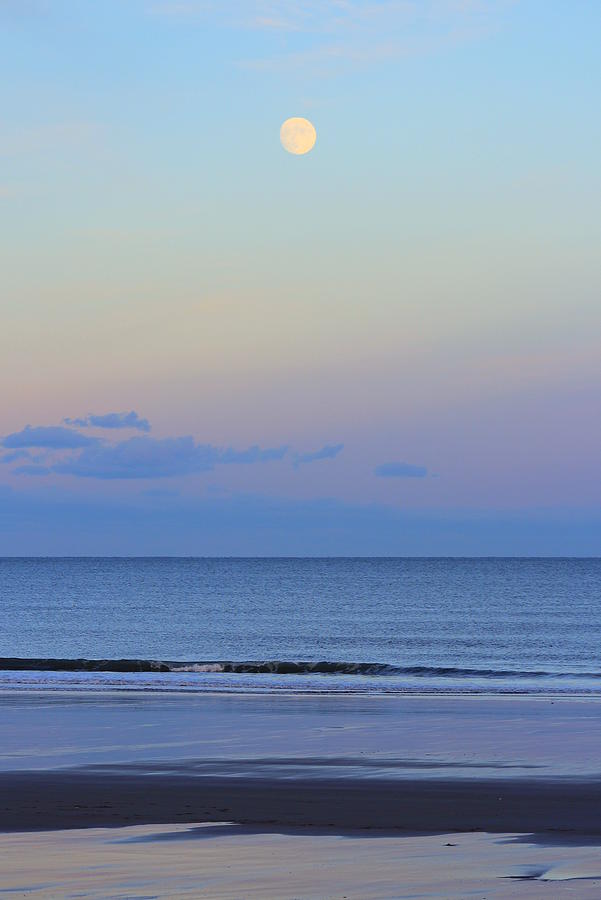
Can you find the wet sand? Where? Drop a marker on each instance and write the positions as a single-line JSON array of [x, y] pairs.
[[446, 736], [230, 863], [415, 764], [80, 798], [330, 796]]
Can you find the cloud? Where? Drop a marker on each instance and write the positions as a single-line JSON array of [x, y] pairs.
[[112, 420], [400, 470], [253, 454], [136, 457], [146, 457], [326, 16], [329, 451], [160, 493], [328, 33], [32, 470], [15, 455], [54, 436]]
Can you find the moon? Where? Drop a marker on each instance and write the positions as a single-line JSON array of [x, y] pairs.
[[298, 136]]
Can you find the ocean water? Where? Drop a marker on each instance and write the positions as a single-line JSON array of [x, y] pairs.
[[302, 625]]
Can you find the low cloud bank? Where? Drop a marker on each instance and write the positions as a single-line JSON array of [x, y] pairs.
[[400, 470], [57, 522]]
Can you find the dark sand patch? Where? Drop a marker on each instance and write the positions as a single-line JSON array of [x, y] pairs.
[[80, 798]]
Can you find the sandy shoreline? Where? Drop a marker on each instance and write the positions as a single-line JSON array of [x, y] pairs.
[[126, 796], [499, 735], [427, 765], [226, 837], [177, 862]]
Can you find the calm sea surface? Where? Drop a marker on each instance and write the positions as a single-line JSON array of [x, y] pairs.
[[401, 625]]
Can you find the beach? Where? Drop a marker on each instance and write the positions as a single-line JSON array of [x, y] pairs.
[[219, 862], [371, 789]]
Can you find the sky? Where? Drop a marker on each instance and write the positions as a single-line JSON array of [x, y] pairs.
[[387, 346]]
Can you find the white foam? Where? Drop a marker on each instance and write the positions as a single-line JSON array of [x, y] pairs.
[[199, 667]]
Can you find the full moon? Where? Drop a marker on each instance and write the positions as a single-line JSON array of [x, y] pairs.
[[298, 136]]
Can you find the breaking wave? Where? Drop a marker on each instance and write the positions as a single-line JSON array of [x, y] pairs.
[[272, 667]]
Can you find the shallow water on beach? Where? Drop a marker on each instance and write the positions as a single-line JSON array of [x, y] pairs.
[[303, 625]]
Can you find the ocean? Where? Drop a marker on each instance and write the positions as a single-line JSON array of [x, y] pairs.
[[528, 626]]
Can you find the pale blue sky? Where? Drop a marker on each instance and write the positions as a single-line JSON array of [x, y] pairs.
[[420, 293]]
